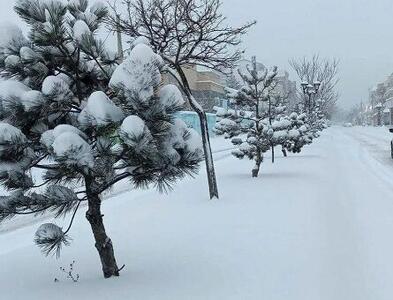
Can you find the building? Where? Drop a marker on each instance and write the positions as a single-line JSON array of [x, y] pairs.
[[388, 112], [288, 88], [381, 103], [243, 64], [207, 86]]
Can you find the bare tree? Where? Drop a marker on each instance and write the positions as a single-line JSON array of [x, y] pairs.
[[186, 32], [324, 71]]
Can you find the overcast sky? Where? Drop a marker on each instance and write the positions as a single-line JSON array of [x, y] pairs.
[[357, 32]]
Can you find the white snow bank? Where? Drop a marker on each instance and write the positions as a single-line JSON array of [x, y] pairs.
[[285, 235]]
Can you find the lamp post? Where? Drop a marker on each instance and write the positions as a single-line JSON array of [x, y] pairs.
[[378, 109], [310, 90]]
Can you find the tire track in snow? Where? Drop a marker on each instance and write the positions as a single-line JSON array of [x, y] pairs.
[[362, 209]]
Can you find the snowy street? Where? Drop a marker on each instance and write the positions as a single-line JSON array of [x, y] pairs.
[[180, 150], [317, 225]]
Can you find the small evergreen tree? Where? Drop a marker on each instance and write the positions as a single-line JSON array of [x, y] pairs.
[[278, 121], [74, 122], [299, 133], [259, 116], [185, 32], [318, 121]]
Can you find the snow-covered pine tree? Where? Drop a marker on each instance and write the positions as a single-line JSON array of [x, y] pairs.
[[318, 120], [299, 133], [186, 33], [278, 121], [74, 122], [314, 120], [292, 131], [258, 116]]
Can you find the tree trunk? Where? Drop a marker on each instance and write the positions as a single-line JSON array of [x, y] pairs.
[[272, 153], [284, 152], [103, 242], [211, 174], [258, 161]]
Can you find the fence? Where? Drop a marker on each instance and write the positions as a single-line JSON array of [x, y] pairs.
[[192, 120]]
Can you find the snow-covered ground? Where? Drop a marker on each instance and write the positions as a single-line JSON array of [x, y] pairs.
[[317, 225]]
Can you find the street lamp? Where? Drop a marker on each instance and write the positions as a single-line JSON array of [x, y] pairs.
[[304, 85], [317, 85], [310, 89]]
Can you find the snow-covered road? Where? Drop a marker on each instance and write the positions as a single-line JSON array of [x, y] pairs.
[[354, 193], [314, 226]]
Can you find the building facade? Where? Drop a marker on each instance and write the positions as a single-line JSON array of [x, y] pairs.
[[207, 86], [381, 103]]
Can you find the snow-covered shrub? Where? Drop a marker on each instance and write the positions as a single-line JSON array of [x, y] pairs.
[[71, 110], [299, 134]]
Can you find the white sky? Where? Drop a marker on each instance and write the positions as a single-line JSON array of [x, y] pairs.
[[357, 32]]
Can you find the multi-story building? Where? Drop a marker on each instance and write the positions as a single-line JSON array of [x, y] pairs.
[[381, 102], [207, 86], [288, 89]]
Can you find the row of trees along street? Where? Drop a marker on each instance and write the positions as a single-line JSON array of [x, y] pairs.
[[77, 119]]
